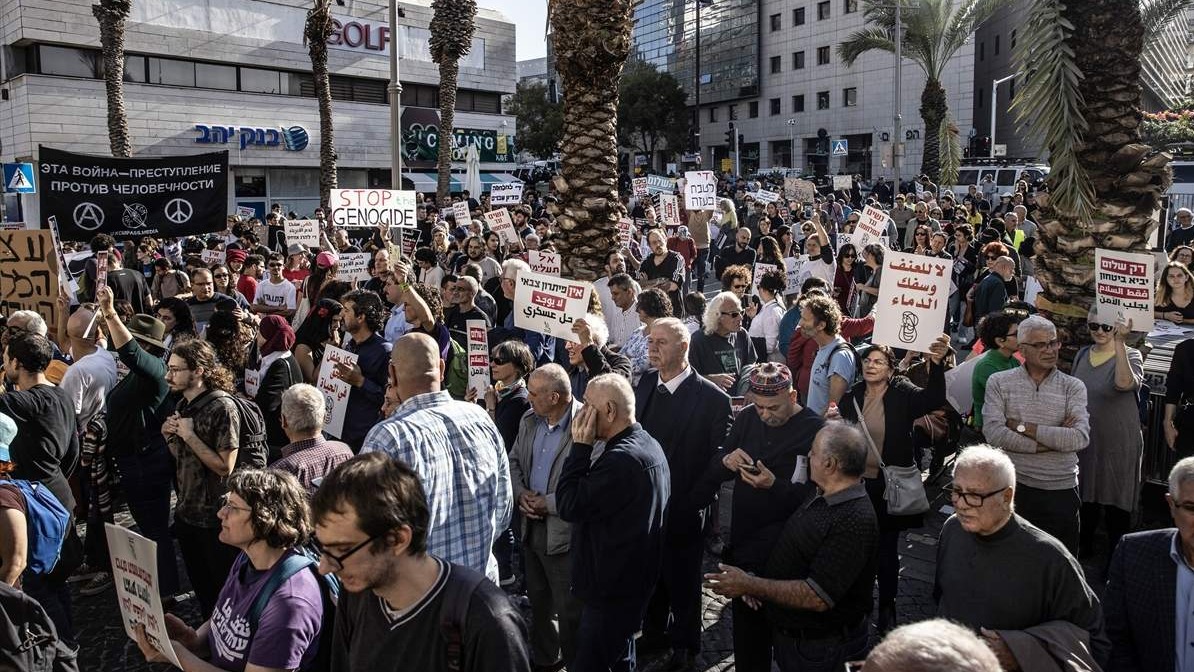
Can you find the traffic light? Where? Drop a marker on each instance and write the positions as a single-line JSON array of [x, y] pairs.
[[730, 135], [694, 139], [741, 139], [982, 146]]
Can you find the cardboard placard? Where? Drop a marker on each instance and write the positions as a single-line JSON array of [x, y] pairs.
[[354, 267], [509, 193], [548, 263], [843, 182], [371, 207], [700, 190], [29, 274], [303, 232], [461, 214], [550, 305], [1124, 286], [793, 265], [757, 275], [800, 190], [764, 196], [500, 222], [478, 356], [335, 391], [212, 257], [639, 184], [669, 207], [135, 576], [913, 294]]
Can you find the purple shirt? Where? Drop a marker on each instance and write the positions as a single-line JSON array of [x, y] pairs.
[[287, 633], [312, 459]]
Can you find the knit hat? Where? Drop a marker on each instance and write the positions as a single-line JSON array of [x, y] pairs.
[[235, 255], [278, 334], [770, 379], [8, 432]]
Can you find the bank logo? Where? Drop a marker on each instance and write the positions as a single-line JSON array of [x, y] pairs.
[[295, 138]]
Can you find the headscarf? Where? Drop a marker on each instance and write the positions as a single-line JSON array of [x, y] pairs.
[[278, 334]]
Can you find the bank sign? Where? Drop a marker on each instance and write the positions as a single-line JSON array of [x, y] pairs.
[[421, 138], [294, 138]]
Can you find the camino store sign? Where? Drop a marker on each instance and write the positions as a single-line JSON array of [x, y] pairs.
[[420, 140], [294, 138]]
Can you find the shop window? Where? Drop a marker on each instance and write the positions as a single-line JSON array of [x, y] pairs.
[[209, 76], [68, 62], [172, 72], [250, 182], [260, 81]]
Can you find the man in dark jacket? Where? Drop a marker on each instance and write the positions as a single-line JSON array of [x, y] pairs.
[[739, 254], [616, 505], [589, 356], [991, 293], [672, 391]]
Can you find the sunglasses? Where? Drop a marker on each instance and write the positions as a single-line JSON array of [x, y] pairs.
[[1100, 327], [498, 361], [733, 314]]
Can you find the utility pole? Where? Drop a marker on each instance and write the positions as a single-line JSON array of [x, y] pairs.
[[737, 154], [395, 89], [994, 96], [696, 67], [897, 147]]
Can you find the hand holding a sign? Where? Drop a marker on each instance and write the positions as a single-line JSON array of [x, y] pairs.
[[1123, 328], [939, 349], [151, 654], [350, 373]]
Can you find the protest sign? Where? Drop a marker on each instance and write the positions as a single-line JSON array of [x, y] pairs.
[[624, 227], [764, 196], [640, 186], [1124, 286], [252, 382], [669, 207], [549, 305], [354, 267], [842, 182], [499, 221], [101, 270], [461, 214], [29, 274], [135, 575], [371, 207], [165, 196], [800, 190], [12, 226], [335, 391], [509, 193], [793, 265], [478, 357], [846, 239], [913, 293], [245, 212], [760, 269], [64, 276], [445, 213], [548, 263], [871, 228], [212, 257], [700, 190], [303, 232], [657, 184]]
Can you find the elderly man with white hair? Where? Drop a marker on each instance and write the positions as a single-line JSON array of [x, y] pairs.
[[722, 351], [1038, 415], [1183, 233], [1003, 576], [1150, 588], [936, 645], [308, 456]]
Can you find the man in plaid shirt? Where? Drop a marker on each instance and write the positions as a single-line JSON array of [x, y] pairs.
[[457, 452]]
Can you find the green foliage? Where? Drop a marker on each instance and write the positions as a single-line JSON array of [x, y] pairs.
[[951, 151], [652, 109], [539, 122]]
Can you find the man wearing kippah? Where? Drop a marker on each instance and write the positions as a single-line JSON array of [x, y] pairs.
[[766, 452]]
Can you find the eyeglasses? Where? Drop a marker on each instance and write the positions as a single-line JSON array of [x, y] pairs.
[[1100, 327], [972, 499], [1044, 345], [226, 503], [732, 314], [337, 561], [498, 361]]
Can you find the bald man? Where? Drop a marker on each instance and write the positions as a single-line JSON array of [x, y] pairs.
[[455, 449], [616, 505]]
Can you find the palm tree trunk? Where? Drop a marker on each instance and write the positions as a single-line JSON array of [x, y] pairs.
[[592, 41], [933, 108], [1128, 177], [318, 29], [111, 15], [448, 71]]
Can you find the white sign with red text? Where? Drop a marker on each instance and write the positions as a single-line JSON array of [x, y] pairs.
[[913, 294], [335, 391], [372, 207], [550, 305], [478, 356]]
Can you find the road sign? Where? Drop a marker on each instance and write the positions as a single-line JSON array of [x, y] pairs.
[[727, 165], [18, 178], [1000, 150], [839, 147]]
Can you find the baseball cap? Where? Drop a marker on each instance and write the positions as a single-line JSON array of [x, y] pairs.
[[8, 432], [326, 260]]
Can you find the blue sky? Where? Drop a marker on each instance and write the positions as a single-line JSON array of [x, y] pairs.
[[530, 19]]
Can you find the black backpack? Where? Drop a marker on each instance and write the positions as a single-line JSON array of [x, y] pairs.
[[254, 445], [845, 345], [28, 640]]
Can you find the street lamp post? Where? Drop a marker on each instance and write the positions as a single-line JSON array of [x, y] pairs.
[[395, 89], [897, 147], [994, 95], [696, 67], [792, 143]]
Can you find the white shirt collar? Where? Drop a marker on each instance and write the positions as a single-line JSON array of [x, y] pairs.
[[674, 384]]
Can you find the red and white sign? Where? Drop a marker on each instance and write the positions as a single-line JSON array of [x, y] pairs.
[[478, 356], [1124, 286], [550, 305], [548, 263]]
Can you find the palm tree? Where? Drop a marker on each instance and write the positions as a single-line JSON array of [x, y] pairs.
[[591, 40], [452, 26], [111, 15], [316, 33], [934, 30], [1082, 92]]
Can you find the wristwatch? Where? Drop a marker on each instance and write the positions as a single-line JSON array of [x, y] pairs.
[[1020, 428]]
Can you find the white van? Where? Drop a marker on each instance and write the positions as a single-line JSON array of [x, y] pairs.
[[1005, 173]]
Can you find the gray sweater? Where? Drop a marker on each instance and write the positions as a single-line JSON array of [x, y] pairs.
[[1051, 461]]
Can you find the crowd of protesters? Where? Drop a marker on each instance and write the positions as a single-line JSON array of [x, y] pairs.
[[583, 484]]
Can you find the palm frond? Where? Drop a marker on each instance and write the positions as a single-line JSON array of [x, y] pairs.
[[966, 20], [951, 151], [1156, 15], [1051, 100], [862, 41]]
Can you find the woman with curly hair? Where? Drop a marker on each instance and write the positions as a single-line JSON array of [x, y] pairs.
[[230, 337], [321, 328], [176, 316]]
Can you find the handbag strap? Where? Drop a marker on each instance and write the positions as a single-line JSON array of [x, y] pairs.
[[866, 432]]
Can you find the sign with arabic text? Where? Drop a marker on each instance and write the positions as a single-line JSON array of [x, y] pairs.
[[913, 294], [550, 305], [303, 232], [353, 267], [478, 357], [1124, 286], [135, 576], [335, 391], [764, 196]]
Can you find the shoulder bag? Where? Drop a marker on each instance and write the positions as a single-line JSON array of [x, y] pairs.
[[904, 491]]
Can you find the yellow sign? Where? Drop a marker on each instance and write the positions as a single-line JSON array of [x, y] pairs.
[[501, 144], [727, 165]]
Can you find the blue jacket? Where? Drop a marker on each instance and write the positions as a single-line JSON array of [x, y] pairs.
[[364, 402]]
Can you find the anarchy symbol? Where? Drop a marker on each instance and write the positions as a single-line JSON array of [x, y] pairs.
[[90, 213], [178, 211]]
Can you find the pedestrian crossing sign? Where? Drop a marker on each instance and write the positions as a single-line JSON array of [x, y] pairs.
[[839, 147], [18, 178]]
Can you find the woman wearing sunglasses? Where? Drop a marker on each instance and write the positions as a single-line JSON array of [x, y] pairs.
[[1109, 468]]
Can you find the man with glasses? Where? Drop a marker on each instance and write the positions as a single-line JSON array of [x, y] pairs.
[[1038, 415], [998, 333], [204, 298], [1183, 234], [276, 295], [402, 607], [1016, 585], [465, 291]]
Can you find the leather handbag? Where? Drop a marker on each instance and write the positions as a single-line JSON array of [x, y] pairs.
[[905, 490]]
